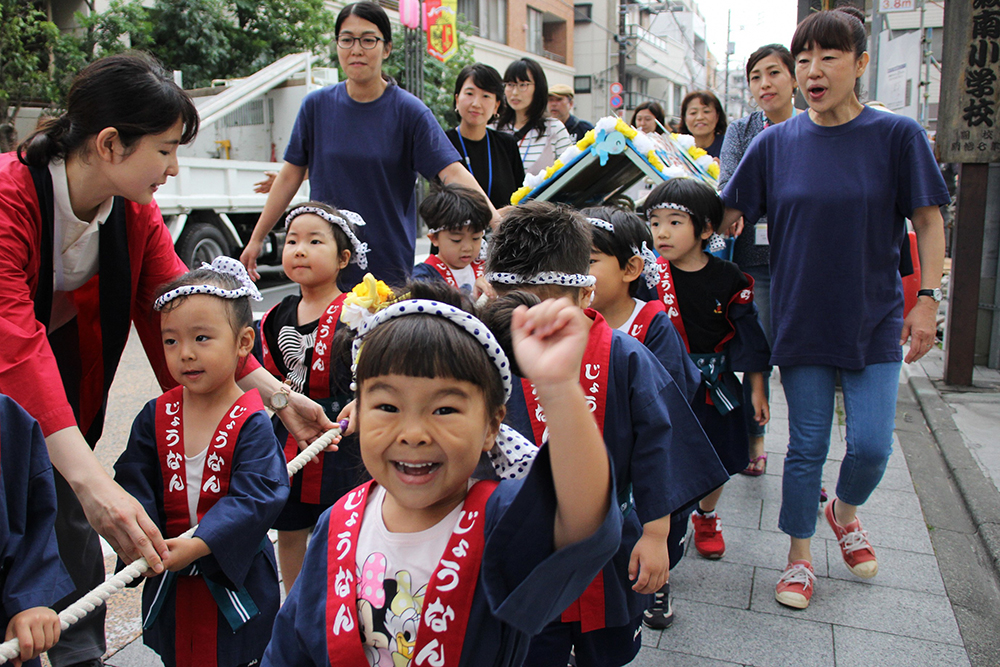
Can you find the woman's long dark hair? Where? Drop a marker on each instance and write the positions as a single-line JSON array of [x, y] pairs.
[[130, 92], [538, 109]]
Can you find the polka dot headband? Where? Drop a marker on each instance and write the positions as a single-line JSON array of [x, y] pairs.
[[511, 454], [438, 230], [359, 249], [224, 265], [649, 270], [672, 207], [602, 224], [544, 278]]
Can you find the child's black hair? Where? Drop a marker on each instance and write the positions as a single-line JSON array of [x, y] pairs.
[[536, 237], [343, 243], [629, 235], [497, 315], [429, 346], [455, 208], [240, 311], [694, 194]]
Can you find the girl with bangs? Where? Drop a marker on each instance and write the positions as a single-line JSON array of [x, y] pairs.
[[836, 184]]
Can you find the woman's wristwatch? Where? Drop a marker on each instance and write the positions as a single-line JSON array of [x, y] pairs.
[[935, 294], [279, 399]]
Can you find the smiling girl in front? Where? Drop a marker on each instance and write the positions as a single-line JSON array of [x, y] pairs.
[[425, 565], [204, 454]]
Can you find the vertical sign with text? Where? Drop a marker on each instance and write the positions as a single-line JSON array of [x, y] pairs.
[[970, 92]]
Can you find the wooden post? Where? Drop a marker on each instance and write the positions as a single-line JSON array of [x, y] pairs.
[[966, 266]]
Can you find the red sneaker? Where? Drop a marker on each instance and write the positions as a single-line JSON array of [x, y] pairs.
[[859, 556], [796, 585], [708, 535]]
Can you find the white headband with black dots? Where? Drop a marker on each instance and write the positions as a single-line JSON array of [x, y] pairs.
[[544, 278], [671, 206], [603, 224], [511, 454], [438, 230], [226, 265], [359, 249]]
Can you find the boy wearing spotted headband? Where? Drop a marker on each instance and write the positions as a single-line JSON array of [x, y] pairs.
[[710, 302], [457, 219], [643, 416], [204, 454], [434, 563], [296, 346]]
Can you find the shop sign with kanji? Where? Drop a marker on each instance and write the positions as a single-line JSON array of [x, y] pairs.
[[968, 124]]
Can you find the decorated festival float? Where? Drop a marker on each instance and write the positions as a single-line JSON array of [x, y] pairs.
[[610, 160]]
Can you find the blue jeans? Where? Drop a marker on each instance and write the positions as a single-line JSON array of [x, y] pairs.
[[870, 411], [762, 298]]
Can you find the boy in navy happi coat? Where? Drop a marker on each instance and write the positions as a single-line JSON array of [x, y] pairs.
[[641, 413], [457, 219], [31, 574]]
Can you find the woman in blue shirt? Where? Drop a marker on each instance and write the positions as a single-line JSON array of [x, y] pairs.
[[836, 184]]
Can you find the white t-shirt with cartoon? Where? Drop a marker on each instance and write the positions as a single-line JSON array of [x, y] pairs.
[[390, 599]]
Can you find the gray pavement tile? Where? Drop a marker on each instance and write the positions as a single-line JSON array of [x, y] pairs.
[[746, 637], [862, 647], [736, 508], [135, 654], [651, 657], [698, 579], [901, 504], [757, 548], [883, 530], [878, 608], [896, 477], [897, 569]]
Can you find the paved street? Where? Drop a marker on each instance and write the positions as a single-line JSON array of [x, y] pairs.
[[921, 609]]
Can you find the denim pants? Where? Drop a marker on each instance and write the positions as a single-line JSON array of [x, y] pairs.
[[870, 412], [762, 298]]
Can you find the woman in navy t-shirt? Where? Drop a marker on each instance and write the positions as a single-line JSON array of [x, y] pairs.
[[836, 184], [363, 142]]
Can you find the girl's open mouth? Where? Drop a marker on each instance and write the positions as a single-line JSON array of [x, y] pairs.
[[416, 469]]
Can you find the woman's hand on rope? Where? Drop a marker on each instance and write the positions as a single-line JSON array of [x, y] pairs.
[[37, 629], [122, 521], [306, 421]]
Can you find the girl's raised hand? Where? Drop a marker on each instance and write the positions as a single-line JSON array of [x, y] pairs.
[[549, 340]]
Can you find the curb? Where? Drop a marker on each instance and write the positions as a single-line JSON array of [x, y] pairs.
[[978, 493]]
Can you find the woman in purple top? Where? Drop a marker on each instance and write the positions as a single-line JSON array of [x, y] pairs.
[[836, 184], [363, 142]]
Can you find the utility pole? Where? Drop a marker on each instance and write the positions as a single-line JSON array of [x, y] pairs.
[[622, 48]]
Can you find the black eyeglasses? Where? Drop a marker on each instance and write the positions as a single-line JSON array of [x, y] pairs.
[[368, 42]]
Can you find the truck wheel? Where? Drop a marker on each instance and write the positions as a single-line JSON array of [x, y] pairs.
[[201, 242]]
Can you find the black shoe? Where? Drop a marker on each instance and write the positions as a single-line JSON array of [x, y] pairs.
[[661, 614]]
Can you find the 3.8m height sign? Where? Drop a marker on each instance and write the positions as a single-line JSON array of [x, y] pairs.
[[888, 6]]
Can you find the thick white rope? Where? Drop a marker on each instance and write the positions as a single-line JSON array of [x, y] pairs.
[[95, 598]]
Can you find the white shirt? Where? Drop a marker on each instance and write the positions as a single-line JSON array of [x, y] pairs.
[[75, 249], [631, 318], [465, 278], [407, 560], [194, 468]]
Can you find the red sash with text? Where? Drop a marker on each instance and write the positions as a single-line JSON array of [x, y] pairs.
[[595, 369], [446, 272], [668, 295], [640, 325], [319, 387], [196, 624], [447, 603]]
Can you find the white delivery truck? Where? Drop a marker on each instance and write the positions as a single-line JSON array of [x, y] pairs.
[[210, 207]]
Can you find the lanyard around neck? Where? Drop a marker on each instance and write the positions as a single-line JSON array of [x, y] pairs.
[[489, 160]]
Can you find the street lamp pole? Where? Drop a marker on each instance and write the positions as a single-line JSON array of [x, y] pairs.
[[622, 45]]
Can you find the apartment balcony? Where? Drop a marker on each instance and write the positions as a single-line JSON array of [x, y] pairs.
[[653, 57]]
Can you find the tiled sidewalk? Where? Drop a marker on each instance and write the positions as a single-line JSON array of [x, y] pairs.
[[725, 610]]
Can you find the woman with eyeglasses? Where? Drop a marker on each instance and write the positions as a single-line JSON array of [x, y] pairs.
[[491, 156], [540, 138], [363, 142]]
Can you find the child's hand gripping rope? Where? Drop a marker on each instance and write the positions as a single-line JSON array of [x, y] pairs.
[[11, 650]]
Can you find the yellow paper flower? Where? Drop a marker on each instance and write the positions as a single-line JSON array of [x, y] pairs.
[[626, 129], [713, 170], [520, 193], [556, 166], [655, 160], [588, 139], [367, 298], [696, 152]]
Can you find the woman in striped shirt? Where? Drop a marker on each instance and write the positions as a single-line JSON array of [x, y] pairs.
[[540, 138]]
